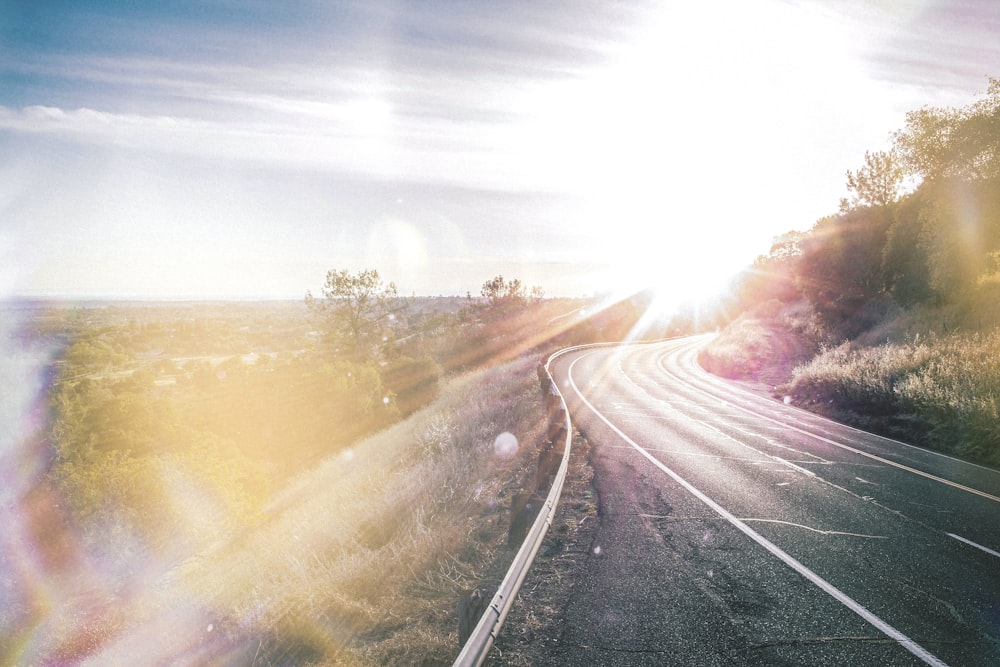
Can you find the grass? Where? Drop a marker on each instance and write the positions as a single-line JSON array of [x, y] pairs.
[[388, 535], [360, 561], [763, 345], [929, 376], [937, 391]]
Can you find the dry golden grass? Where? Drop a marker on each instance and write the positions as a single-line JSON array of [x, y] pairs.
[[360, 561], [939, 391], [929, 376], [763, 345]]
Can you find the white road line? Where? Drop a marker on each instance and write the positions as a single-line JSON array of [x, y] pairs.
[[828, 441], [920, 652], [973, 544], [802, 470], [688, 418], [711, 379]]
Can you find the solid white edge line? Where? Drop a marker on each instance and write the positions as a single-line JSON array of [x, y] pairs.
[[973, 544], [722, 383], [920, 652], [841, 445]]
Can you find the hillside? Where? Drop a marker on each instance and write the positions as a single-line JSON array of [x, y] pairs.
[[886, 315], [223, 477]]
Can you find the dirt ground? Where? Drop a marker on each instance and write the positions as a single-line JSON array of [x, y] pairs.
[[533, 626]]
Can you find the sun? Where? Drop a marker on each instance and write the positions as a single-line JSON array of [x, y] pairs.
[[673, 276], [674, 147]]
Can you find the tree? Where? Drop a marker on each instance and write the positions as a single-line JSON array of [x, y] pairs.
[[948, 143], [960, 232], [772, 276], [956, 151], [877, 183], [499, 290], [840, 269], [359, 309], [905, 261]]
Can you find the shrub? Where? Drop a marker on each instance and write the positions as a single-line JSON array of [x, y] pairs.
[[940, 392], [359, 560], [763, 345]]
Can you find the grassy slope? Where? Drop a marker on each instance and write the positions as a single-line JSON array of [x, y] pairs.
[[359, 561], [764, 345], [394, 533], [929, 376]]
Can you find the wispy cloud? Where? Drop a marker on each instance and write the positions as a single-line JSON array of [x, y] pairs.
[[943, 50], [602, 119], [413, 93]]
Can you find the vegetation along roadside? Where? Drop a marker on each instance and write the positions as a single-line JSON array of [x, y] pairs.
[[266, 483], [887, 314]]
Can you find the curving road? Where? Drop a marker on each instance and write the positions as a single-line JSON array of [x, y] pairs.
[[735, 530]]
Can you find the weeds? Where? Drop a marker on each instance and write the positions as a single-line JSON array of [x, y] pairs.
[[938, 391], [362, 560], [763, 345]]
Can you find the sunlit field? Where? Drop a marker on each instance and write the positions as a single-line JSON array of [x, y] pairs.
[[215, 484]]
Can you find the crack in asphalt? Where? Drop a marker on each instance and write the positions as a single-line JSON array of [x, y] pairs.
[[816, 530], [944, 603], [800, 641], [615, 649]]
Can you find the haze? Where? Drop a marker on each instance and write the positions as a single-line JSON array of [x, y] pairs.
[[240, 150]]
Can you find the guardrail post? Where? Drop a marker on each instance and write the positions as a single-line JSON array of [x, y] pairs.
[[556, 425], [552, 400], [471, 606], [548, 466], [544, 383], [523, 510]]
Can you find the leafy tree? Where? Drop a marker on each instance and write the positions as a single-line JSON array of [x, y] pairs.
[[499, 290], [359, 309], [772, 276], [947, 143], [960, 232], [904, 257], [840, 270], [876, 183], [957, 228]]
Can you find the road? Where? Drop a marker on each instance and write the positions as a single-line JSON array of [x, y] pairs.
[[736, 530]]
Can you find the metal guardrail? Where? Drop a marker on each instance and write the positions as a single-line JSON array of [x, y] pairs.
[[479, 643]]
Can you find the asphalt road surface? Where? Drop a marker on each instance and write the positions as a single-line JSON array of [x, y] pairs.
[[736, 530]]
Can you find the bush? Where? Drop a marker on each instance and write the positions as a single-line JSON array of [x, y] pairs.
[[940, 392], [414, 382], [764, 344]]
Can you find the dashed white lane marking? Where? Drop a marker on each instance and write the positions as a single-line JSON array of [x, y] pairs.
[[841, 445], [973, 544], [802, 470]]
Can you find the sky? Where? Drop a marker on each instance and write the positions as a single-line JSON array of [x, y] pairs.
[[243, 149]]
